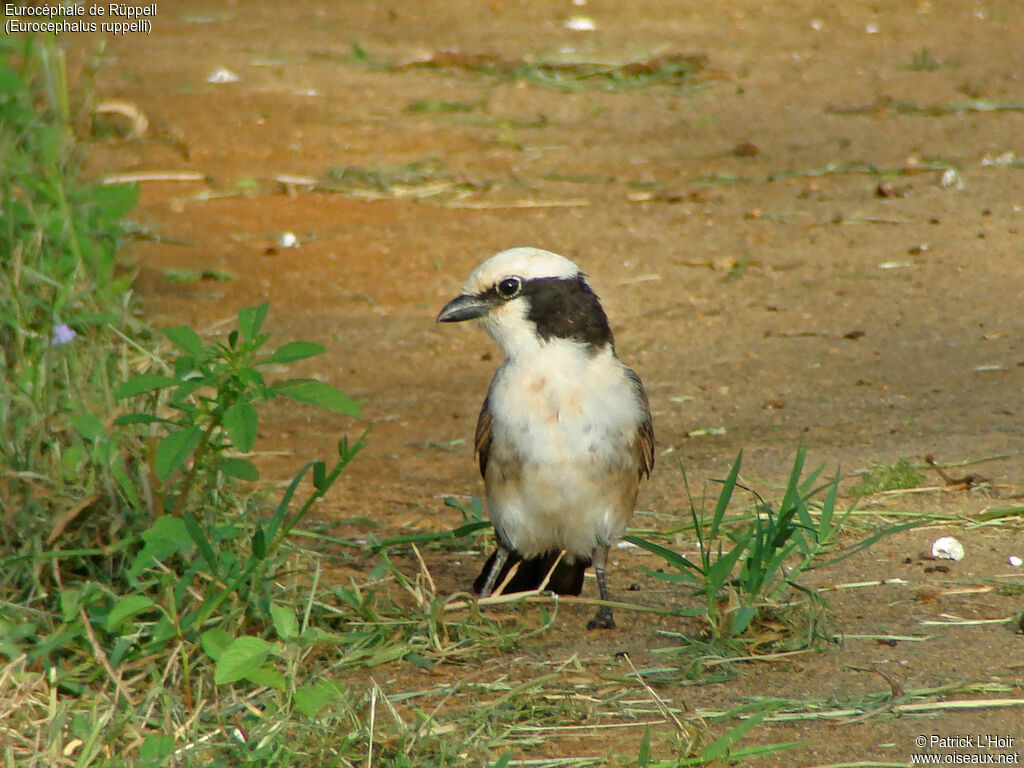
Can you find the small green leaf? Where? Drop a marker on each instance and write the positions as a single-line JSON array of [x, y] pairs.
[[250, 320], [186, 339], [174, 450], [167, 536], [267, 676], [251, 378], [169, 529], [214, 641], [144, 382], [125, 608], [312, 698], [318, 393], [242, 469], [155, 750], [294, 350], [70, 603], [186, 388], [285, 623], [89, 426], [73, 456], [183, 367], [243, 657], [242, 422]]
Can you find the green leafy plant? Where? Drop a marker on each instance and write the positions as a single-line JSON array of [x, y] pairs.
[[211, 415], [212, 391], [229, 560], [196, 587]]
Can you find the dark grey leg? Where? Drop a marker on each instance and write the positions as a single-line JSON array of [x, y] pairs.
[[603, 619], [500, 556]]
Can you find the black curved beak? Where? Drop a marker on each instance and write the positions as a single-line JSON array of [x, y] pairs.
[[464, 307]]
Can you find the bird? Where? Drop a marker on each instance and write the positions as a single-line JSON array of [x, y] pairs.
[[565, 434]]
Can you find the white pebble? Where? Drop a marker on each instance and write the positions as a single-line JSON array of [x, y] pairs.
[[1015, 561], [947, 548], [223, 76], [950, 179], [581, 24]]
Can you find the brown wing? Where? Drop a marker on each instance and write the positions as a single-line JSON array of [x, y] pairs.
[[482, 441], [643, 446]]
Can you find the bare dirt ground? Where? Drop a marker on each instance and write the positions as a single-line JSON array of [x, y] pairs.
[[756, 275]]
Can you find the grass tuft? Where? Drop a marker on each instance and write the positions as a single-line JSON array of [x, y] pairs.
[[747, 574], [898, 475], [65, 312]]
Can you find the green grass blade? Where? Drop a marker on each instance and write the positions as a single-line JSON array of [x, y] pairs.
[[722, 746], [724, 497], [196, 533], [672, 558], [792, 487], [286, 499], [718, 575], [865, 543]]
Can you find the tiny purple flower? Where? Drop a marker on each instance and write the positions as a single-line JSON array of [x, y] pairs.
[[62, 334]]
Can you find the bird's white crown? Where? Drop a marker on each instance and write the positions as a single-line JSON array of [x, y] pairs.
[[527, 263]]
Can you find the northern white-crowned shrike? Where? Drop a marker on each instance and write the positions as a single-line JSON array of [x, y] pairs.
[[564, 436]]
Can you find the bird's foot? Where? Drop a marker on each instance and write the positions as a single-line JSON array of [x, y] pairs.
[[603, 619]]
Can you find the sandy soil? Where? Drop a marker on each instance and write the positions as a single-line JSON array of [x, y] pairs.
[[761, 278]]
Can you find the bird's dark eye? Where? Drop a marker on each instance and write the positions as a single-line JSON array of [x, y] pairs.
[[509, 287]]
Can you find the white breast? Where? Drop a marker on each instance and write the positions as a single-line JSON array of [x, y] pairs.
[[561, 469]]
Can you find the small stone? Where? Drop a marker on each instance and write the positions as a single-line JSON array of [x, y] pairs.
[[221, 76], [580, 24], [947, 548], [950, 179]]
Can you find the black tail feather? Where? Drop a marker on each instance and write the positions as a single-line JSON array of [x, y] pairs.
[[567, 578]]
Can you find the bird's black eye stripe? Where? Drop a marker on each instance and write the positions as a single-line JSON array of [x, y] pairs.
[[509, 287]]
